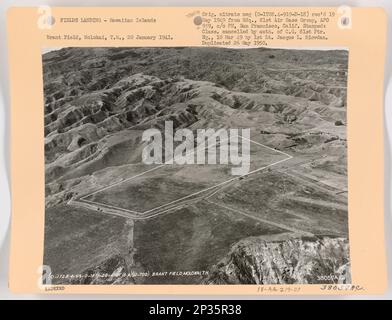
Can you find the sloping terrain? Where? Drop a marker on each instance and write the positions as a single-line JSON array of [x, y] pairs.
[[305, 261], [98, 101]]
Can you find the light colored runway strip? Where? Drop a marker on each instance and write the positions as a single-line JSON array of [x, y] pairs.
[[110, 206], [219, 184], [314, 183], [121, 181], [138, 215], [263, 145], [321, 203], [275, 224]]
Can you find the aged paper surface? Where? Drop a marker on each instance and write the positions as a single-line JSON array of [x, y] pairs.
[[197, 150]]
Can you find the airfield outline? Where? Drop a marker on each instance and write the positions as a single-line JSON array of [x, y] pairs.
[[145, 214]]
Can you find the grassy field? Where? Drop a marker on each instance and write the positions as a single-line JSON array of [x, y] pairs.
[[75, 239], [99, 101], [173, 182], [191, 239], [279, 197]]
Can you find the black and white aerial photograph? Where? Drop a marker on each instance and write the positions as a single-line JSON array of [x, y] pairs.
[[196, 165]]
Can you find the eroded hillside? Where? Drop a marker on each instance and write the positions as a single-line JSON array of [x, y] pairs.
[[98, 101]]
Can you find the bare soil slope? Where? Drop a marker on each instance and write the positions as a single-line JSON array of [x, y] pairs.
[[98, 101]]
